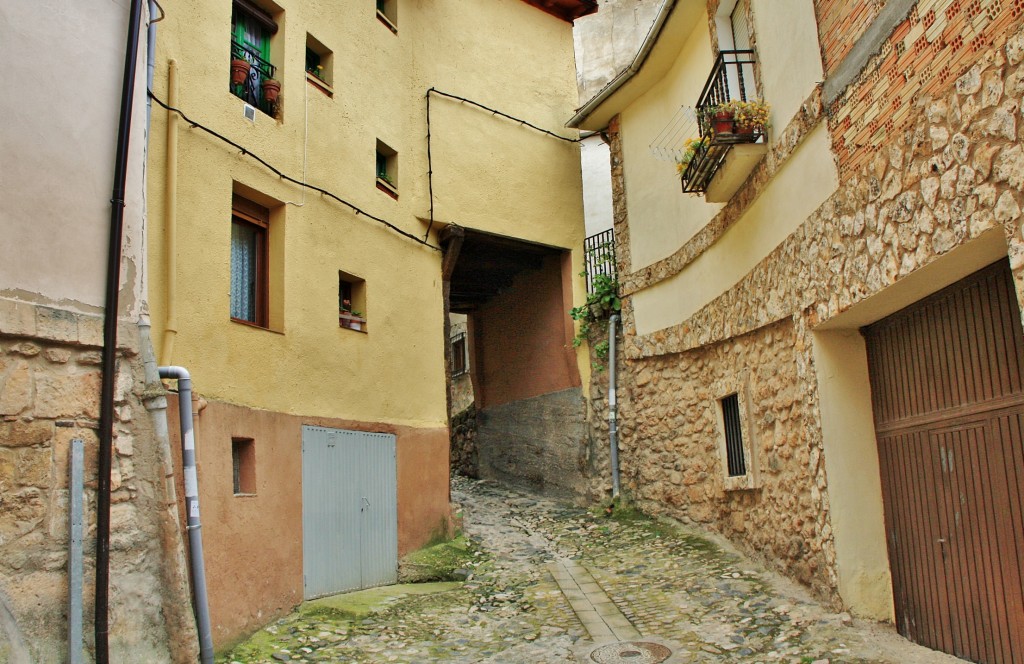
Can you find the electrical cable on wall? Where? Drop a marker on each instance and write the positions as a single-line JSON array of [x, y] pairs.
[[492, 111], [245, 151]]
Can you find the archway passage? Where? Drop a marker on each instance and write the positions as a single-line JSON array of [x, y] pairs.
[[947, 383], [526, 384]]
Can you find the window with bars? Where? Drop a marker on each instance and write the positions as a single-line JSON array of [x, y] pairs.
[[252, 28], [459, 364], [734, 451]]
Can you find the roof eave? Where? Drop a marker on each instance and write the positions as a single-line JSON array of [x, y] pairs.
[[657, 54]]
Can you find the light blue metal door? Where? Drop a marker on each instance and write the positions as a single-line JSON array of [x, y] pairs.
[[349, 510]]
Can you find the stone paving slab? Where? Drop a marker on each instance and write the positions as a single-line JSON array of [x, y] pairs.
[[552, 583]]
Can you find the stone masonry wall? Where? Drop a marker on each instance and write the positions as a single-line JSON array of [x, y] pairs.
[[49, 395], [955, 173]]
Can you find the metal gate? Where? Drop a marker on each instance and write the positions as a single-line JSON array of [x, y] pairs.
[[349, 510], [947, 383]]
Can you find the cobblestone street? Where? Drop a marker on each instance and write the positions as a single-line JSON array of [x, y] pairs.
[[555, 583]]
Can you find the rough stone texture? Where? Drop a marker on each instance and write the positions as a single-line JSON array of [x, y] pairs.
[[464, 454], [941, 44], [539, 442], [49, 395], [952, 172]]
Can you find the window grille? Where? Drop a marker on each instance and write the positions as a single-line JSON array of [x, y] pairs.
[[733, 436]]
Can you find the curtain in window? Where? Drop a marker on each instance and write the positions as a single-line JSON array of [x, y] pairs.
[[243, 271]]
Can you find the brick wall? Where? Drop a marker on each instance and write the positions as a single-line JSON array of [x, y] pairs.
[[934, 46], [840, 24]]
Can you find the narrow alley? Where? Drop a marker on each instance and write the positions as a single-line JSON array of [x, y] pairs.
[[548, 582]]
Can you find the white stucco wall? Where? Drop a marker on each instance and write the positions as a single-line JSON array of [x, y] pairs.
[[597, 184], [798, 189], [60, 119], [661, 216]]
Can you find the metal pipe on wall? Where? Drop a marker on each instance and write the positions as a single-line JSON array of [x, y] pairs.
[[111, 306], [613, 413], [195, 535], [171, 218]]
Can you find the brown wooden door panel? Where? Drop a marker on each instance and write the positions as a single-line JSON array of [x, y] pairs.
[[947, 381]]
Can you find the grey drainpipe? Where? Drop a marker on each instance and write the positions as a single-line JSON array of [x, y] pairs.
[[111, 306], [613, 413], [195, 535]]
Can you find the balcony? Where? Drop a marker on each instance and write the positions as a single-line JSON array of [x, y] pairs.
[[251, 90], [727, 150], [599, 256]]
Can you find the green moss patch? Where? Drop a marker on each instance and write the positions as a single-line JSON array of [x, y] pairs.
[[447, 561]]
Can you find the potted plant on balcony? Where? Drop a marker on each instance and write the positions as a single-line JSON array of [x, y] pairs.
[[239, 71], [691, 149], [736, 116], [271, 89]]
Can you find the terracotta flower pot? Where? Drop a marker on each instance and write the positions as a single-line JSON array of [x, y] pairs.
[[271, 89], [239, 71], [722, 122]]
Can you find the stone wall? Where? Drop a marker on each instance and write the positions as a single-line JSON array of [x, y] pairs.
[[464, 454], [541, 442], [953, 175], [49, 395]]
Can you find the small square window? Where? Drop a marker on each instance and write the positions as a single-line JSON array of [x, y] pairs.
[[351, 302], [319, 64], [387, 169], [387, 13], [243, 466], [459, 360], [249, 258]]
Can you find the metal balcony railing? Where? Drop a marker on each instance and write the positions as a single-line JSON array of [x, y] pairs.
[[732, 78], [599, 257], [251, 91]]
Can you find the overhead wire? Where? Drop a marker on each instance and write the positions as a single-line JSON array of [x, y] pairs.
[[278, 172], [483, 107]]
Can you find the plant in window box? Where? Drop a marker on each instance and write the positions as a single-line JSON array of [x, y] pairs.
[[691, 148], [317, 71], [352, 320]]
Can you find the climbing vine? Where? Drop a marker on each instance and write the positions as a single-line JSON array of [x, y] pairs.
[[601, 303]]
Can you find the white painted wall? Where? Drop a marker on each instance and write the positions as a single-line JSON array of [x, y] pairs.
[[57, 146], [597, 184], [605, 43]]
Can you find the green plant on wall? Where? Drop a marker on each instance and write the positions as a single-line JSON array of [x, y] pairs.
[[601, 303]]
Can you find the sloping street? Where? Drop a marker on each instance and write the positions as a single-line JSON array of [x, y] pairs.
[[549, 582]]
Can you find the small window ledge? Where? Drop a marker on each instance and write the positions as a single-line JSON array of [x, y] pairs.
[[382, 17], [733, 172], [351, 322], [387, 188], [319, 83], [256, 326]]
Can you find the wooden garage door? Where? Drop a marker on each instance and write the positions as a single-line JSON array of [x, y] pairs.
[[947, 383]]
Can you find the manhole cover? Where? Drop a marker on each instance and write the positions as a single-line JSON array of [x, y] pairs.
[[631, 652]]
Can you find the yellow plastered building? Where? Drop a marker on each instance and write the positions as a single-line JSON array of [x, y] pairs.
[[313, 318]]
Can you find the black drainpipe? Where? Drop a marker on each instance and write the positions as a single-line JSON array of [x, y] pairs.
[[111, 307]]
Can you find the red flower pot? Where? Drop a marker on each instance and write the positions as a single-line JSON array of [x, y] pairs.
[[271, 89], [239, 71], [722, 122]]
